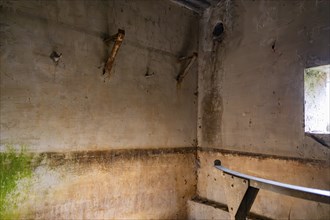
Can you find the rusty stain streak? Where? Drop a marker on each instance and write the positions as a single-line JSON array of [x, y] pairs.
[[118, 39]]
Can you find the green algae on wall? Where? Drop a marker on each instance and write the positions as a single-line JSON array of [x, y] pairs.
[[14, 166]]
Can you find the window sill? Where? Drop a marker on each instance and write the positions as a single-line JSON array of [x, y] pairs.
[[321, 138]]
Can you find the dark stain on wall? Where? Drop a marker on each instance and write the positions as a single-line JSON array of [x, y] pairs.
[[264, 156], [212, 102], [106, 156], [211, 119]]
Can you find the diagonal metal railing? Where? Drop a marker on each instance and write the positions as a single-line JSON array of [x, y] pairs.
[[241, 191]]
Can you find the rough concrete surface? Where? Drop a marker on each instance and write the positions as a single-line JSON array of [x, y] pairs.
[[272, 205], [250, 100], [109, 185], [198, 210], [71, 105], [251, 88]]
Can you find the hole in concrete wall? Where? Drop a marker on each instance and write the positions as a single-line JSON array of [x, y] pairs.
[[218, 31], [55, 57], [317, 99]]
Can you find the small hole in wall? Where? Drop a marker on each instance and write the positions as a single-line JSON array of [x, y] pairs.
[[55, 57], [218, 31], [273, 46]]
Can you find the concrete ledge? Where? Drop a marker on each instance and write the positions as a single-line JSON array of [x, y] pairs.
[[262, 156], [202, 208], [205, 209]]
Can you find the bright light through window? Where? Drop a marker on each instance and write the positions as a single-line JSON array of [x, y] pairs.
[[317, 99]]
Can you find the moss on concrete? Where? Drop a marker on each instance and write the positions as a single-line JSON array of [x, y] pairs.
[[14, 166]]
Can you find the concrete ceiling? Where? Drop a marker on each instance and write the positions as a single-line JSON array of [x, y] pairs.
[[196, 5]]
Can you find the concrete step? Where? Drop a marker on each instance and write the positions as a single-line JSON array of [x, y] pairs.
[[202, 208]]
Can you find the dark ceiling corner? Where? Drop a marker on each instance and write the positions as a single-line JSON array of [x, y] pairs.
[[196, 5]]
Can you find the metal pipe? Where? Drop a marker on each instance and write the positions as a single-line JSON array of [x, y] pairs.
[[312, 194]]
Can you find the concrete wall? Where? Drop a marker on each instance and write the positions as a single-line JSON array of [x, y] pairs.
[[251, 100], [125, 184], [198, 210], [82, 119], [72, 106], [251, 95], [308, 173]]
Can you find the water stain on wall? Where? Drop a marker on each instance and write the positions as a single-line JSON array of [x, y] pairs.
[[140, 183]]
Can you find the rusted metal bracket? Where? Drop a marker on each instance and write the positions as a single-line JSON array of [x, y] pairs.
[[117, 39], [241, 191], [191, 60]]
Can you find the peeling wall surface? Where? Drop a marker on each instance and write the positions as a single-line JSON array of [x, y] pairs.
[[72, 105], [251, 101]]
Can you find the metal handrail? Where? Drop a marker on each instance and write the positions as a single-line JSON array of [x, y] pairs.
[[313, 194]]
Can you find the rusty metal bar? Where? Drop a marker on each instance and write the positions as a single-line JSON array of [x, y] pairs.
[[254, 184], [118, 39]]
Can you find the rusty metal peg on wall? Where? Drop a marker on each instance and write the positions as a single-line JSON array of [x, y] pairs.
[[117, 39]]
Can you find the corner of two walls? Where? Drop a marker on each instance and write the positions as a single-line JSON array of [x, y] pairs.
[[104, 147], [251, 100]]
